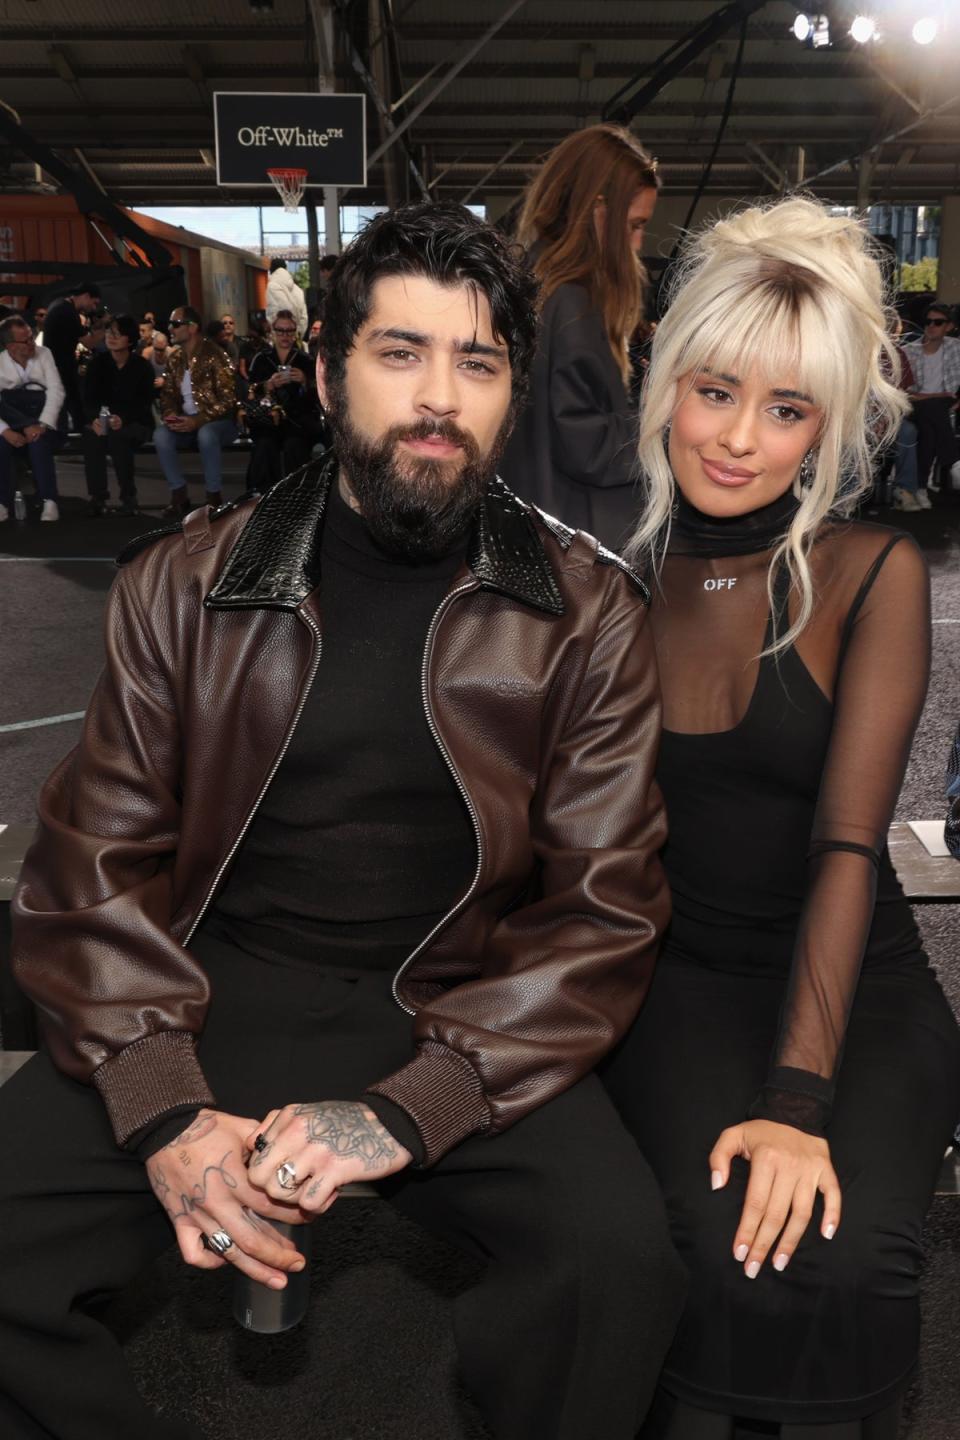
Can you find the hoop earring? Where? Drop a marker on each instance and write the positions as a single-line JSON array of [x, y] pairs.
[[808, 470]]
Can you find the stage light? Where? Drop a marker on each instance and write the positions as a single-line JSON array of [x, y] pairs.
[[821, 32], [864, 29], [925, 30], [813, 30]]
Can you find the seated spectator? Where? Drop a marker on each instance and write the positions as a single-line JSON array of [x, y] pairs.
[[121, 382], [283, 293], [197, 406], [313, 344], [230, 341], [283, 415], [156, 355], [906, 494], [31, 398], [37, 320], [257, 339], [147, 329], [62, 332], [215, 331], [935, 362]]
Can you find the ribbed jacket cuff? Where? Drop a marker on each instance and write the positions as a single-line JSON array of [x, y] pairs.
[[150, 1078], [442, 1094]]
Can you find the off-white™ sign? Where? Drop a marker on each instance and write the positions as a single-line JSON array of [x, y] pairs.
[[287, 135], [322, 134]]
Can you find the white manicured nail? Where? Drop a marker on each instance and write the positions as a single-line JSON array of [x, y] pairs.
[[752, 1270], [741, 1252], [780, 1262], [829, 1232], [716, 1180]]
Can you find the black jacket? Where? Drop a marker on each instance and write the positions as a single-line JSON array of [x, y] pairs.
[[62, 331], [127, 390], [573, 451]]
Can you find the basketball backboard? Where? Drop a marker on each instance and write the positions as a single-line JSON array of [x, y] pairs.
[[257, 131]]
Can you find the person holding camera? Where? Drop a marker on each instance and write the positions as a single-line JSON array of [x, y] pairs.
[[117, 400], [282, 414], [31, 396]]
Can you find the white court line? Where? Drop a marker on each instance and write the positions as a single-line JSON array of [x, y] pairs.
[[946, 622], [48, 720]]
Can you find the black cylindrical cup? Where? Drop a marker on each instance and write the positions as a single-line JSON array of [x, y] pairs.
[[267, 1312]]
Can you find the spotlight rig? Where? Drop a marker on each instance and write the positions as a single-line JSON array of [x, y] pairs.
[[813, 28]]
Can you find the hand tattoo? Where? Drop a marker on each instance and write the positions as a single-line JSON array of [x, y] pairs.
[[198, 1191], [346, 1129], [199, 1127]]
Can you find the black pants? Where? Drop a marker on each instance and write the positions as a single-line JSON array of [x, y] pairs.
[[563, 1336], [936, 439], [276, 452], [121, 445]]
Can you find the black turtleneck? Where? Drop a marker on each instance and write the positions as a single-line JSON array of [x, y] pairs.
[[694, 533], [362, 842]]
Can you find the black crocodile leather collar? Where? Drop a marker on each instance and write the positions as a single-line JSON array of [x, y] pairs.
[[275, 564]]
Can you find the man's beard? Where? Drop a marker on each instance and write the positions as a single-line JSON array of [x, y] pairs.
[[415, 507]]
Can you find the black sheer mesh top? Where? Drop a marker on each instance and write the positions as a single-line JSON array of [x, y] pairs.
[[781, 774]]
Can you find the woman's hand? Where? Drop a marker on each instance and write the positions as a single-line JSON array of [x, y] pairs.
[[787, 1168]]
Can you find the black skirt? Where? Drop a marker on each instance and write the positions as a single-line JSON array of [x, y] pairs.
[[836, 1334]]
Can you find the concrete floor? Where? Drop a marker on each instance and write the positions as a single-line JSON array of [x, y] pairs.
[[382, 1291]]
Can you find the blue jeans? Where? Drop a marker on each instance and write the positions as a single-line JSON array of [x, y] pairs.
[[906, 453], [40, 453], [209, 440]]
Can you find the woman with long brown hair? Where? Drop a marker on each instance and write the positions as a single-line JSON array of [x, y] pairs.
[[573, 451]]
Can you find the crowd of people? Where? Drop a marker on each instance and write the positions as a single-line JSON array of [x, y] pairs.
[[118, 383], [557, 897]]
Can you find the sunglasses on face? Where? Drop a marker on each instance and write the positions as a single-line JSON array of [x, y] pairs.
[[935, 320], [278, 331]]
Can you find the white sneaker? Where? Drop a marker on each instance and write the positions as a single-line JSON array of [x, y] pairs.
[[4, 514], [955, 475], [923, 500], [50, 510], [905, 499]]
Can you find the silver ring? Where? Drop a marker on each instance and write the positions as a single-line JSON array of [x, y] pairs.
[[287, 1176], [219, 1242]]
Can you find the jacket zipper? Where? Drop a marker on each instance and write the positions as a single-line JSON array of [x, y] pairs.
[[266, 784], [427, 655]]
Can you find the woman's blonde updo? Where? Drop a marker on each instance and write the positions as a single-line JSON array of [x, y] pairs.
[[796, 292]]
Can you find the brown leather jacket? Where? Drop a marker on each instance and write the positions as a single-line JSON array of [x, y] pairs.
[[212, 378], [540, 688]]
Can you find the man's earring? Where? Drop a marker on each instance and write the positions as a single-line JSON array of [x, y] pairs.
[[808, 470]]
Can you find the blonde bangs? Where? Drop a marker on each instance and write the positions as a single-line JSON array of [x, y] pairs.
[[784, 340]]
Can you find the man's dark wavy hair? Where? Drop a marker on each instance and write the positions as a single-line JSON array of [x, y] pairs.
[[448, 244]]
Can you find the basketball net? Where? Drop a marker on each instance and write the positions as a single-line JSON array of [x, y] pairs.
[[289, 185]]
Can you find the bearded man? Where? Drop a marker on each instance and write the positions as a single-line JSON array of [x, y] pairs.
[[354, 875]]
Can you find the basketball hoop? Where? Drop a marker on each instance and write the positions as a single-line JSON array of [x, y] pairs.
[[290, 185]]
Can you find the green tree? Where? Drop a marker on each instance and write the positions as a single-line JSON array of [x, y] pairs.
[[922, 276], [302, 275]]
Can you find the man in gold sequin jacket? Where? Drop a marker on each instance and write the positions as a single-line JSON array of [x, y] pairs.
[[197, 409]]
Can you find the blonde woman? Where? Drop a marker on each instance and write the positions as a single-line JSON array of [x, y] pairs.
[[795, 1073], [573, 450]]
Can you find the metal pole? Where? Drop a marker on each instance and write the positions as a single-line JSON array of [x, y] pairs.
[[451, 74], [331, 220], [313, 242]]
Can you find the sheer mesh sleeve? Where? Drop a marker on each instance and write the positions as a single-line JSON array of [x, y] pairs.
[[880, 689]]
